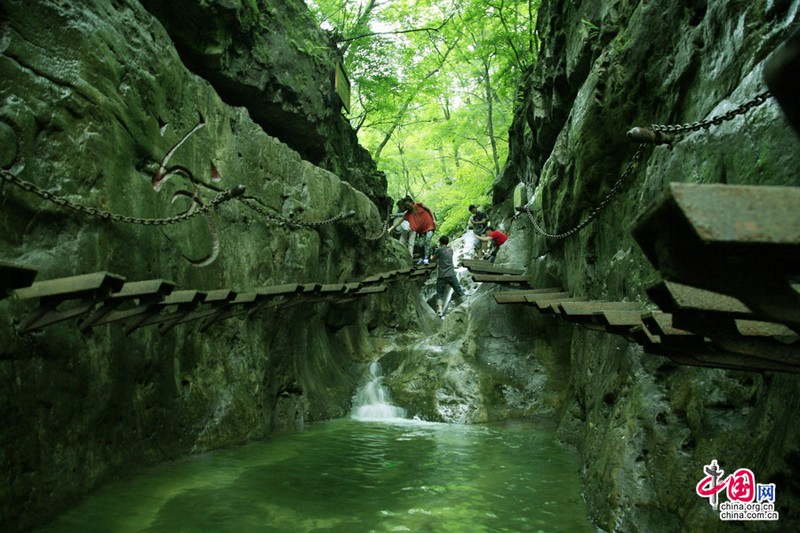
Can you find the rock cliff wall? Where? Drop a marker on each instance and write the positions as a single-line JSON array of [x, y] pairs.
[[98, 108], [271, 57], [645, 426]]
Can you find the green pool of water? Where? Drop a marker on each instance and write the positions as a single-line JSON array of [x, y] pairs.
[[354, 476]]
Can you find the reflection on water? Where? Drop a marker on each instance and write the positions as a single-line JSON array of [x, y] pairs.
[[355, 476]]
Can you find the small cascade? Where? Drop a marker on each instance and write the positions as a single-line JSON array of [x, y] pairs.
[[371, 402]]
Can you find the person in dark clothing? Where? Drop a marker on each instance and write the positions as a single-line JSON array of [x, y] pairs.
[[477, 223], [446, 274]]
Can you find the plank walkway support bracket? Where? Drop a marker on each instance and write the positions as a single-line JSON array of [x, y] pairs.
[[729, 341], [184, 301], [88, 289], [215, 299], [140, 294], [155, 302]]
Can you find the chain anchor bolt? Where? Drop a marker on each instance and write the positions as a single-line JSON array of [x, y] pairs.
[[647, 135]]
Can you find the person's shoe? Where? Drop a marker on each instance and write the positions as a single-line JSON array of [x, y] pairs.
[[440, 314], [423, 261]]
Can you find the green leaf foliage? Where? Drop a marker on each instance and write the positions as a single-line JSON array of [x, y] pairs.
[[433, 87]]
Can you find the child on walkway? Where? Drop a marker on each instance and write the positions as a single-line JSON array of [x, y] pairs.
[[446, 273]]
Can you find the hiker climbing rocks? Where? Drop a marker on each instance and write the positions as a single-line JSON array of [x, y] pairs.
[[446, 274], [477, 223], [422, 222]]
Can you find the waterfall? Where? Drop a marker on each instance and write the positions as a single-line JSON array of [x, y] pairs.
[[371, 402]]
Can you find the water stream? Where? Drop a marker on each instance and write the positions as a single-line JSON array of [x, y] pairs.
[[374, 472], [354, 476], [371, 402]]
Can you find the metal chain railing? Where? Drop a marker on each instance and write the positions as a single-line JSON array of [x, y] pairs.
[[656, 134], [253, 203], [223, 196], [376, 237], [632, 164], [714, 121]]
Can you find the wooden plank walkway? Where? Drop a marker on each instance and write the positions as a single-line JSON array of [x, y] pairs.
[[742, 241], [501, 279], [735, 343], [487, 267], [84, 292]]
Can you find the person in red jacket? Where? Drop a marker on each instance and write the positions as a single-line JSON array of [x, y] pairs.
[[496, 237], [422, 222]]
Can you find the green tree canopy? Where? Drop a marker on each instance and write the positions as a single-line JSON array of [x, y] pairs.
[[433, 87]]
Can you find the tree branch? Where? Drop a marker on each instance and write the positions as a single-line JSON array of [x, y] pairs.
[[348, 39]]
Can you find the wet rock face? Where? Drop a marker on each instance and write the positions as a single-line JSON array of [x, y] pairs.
[[646, 427], [97, 107], [482, 363], [272, 58]]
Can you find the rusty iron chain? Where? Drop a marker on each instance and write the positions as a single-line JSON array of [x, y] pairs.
[[375, 237], [595, 212], [658, 134], [714, 121], [252, 203], [223, 196], [220, 198]]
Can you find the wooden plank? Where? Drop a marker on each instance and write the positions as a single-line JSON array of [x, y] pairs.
[[329, 288], [488, 267], [352, 286], [185, 302], [499, 278], [674, 297], [518, 297], [619, 318], [554, 307], [739, 240], [143, 289], [240, 304], [364, 291], [144, 292], [216, 300], [476, 263], [88, 289], [544, 297], [660, 324], [756, 328], [279, 290], [590, 307], [73, 287], [183, 297], [422, 270]]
